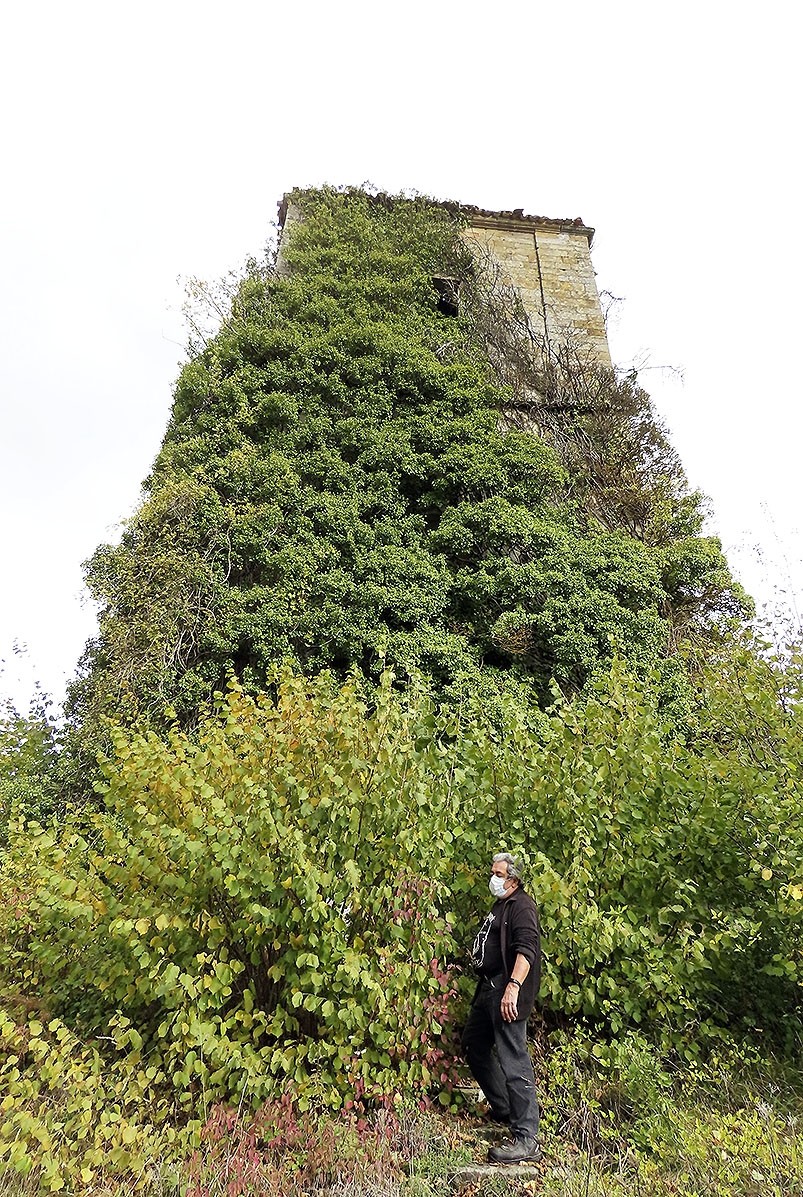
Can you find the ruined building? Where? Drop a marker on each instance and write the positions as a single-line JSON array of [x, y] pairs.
[[547, 261]]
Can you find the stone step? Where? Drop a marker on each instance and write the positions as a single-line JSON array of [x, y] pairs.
[[474, 1174]]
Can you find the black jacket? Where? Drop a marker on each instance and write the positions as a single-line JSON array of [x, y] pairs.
[[520, 934]]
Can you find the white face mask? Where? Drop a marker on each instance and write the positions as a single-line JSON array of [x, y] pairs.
[[497, 886]]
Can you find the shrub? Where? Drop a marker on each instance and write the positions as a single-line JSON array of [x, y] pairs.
[[289, 894], [29, 748], [71, 1117], [282, 1149], [263, 903]]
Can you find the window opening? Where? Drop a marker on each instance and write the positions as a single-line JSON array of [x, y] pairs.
[[447, 290]]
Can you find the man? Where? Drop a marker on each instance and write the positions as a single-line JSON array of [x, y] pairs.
[[507, 956]]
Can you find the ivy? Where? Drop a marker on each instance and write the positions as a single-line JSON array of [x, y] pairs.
[[339, 486]]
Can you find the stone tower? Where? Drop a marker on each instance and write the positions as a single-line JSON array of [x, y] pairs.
[[547, 261]]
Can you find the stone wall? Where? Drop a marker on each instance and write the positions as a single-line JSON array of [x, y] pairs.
[[289, 215], [549, 262]]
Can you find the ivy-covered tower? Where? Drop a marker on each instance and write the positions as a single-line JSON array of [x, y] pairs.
[[404, 443], [547, 261]]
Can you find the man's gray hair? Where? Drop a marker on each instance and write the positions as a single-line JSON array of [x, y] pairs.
[[514, 868]]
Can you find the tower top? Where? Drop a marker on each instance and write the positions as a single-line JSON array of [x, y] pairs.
[[547, 260], [516, 219]]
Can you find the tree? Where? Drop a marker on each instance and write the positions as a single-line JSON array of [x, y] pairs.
[[29, 753]]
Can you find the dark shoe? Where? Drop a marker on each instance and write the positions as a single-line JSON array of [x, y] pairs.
[[515, 1151]]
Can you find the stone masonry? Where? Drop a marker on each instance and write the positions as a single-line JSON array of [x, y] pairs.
[[549, 262]]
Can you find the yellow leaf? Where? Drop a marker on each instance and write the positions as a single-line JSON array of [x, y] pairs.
[[129, 1134], [142, 925], [766, 874]]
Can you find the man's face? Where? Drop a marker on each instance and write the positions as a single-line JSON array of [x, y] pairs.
[[499, 869]]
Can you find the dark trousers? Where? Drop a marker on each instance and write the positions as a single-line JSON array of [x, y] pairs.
[[497, 1055]]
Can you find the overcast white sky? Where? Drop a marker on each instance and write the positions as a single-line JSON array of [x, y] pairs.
[[145, 142]]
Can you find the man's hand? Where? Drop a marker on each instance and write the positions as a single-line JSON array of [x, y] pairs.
[[510, 1002]]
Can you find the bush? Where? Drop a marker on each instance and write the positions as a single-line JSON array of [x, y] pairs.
[[282, 1149], [289, 894], [647, 1122], [263, 903], [29, 753], [72, 1117]]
